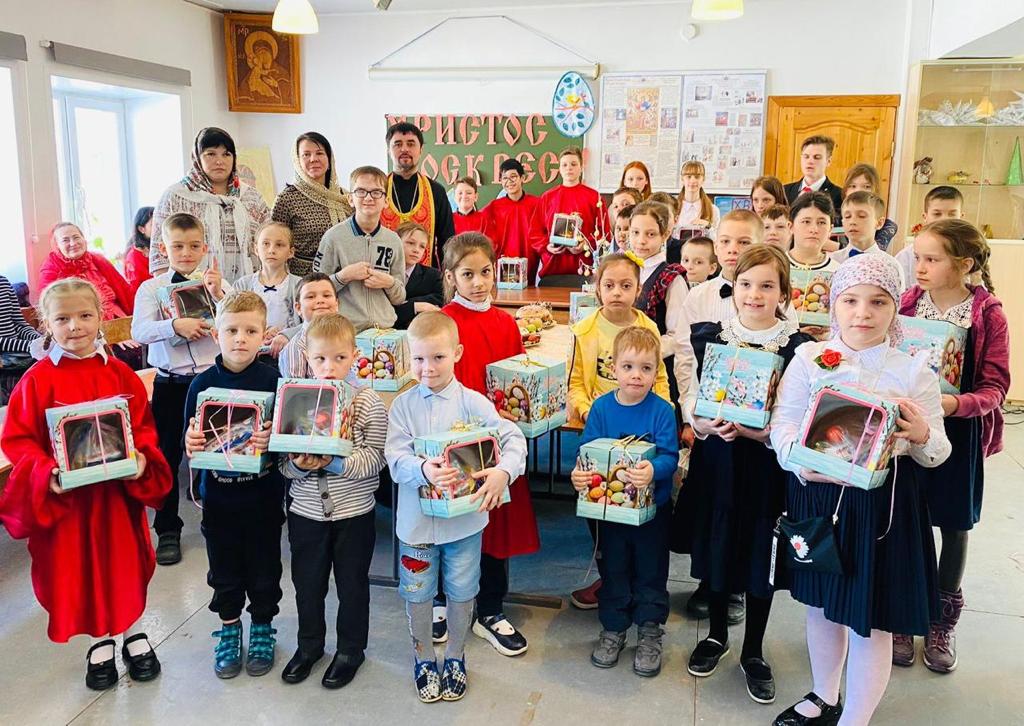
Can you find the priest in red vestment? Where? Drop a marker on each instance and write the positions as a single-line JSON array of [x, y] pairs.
[[509, 217]]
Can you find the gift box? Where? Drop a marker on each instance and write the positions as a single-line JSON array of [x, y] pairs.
[[512, 273], [383, 358], [810, 294], [467, 448], [189, 299], [565, 230], [943, 342], [92, 441], [228, 419], [609, 497], [312, 417], [738, 384], [532, 389], [847, 434], [581, 304]]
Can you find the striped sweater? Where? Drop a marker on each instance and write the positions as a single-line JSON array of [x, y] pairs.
[[324, 496], [15, 334]]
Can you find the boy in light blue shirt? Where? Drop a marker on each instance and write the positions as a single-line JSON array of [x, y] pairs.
[[429, 543]]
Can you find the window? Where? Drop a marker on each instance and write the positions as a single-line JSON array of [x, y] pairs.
[[12, 224], [118, 148]]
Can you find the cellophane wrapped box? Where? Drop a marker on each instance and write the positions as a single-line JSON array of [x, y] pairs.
[[581, 304], [92, 441], [312, 416], [531, 389], [465, 447], [943, 342], [738, 384], [810, 294], [609, 497], [383, 358], [189, 299], [512, 273], [847, 434], [565, 230], [228, 419]]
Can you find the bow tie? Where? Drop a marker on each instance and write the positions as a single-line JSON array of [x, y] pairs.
[[178, 277], [806, 190], [270, 288], [854, 252], [725, 291]]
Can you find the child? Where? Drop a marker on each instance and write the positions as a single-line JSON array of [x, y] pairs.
[[778, 230], [364, 258], [863, 217], [622, 227], [331, 520], [698, 259], [561, 265], [815, 156], [634, 560], [939, 203], [811, 216], [947, 252], [70, 257], [695, 206], [136, 255], [489, 334], [314, 297], [864, 178], [91, 554], [621, 198], [765, 193], [423, 287], [881, 534], [184, 244], [738, 487], [242, 513], [636, 176], [273, 283], [510, 218], [466, 218], [16, 339], [429, 545]]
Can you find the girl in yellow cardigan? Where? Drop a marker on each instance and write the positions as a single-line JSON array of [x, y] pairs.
[[618, 285]]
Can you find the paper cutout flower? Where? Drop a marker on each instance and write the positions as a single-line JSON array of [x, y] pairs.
[[719, 394], [799, 546], [829, 359]]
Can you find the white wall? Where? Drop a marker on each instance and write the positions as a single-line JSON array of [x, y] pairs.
[[956, 23], [170, 32]]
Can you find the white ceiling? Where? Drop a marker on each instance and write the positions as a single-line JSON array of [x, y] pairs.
[[330, 7]]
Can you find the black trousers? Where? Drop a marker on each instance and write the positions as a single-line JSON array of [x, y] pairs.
[[169, 412], [346, 547], [242, 525]]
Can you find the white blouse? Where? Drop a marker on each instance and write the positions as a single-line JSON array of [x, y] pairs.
[[883, 369], [690, 213], [675, 297]]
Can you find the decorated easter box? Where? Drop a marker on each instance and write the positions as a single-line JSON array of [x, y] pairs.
[[312, 417], [847, 434], [92, 441], [810, 294], [532, 389], [581, 304], [565, 230], [189, 299], [512, 273], [943, 342], [467, 448], [738, 384], [383, 359], [228, 419], [609, 497]]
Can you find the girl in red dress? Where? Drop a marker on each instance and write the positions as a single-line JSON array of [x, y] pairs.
[[488, 335], [92, 557]]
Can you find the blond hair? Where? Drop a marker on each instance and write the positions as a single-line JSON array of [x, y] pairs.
[[333, 327], [963, 241], [748, 217], [379, 176], [242, 301], [274, 224], [572, 151], [695, 168], [181, 222], [432, 324], [636, 338], [406, 228], [63, 288], [864, 170], [866, 199]]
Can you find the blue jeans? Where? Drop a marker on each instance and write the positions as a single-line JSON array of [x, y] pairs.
[[634, 572], [419, 566]]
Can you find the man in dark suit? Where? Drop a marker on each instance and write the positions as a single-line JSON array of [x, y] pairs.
[[423, 286], [815, 156]]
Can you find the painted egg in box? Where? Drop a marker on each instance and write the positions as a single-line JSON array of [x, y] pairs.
[[382, 366]]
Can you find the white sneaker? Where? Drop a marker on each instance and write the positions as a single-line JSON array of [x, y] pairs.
[[500, 633]]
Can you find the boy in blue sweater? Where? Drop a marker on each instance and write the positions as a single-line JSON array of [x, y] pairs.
[[242, 513], [634, 560]]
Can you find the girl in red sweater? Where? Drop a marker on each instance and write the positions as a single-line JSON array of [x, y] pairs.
[[488, 335], [946, 254], [92, 557]]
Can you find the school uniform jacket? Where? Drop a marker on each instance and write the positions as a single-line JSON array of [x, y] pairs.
[[794, 190], [423, 285]]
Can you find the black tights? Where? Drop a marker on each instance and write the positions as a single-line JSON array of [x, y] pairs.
[[755, 624], [952, 559]]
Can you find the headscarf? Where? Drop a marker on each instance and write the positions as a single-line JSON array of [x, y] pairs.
[[879, 270], [196, 180], [331, 196]]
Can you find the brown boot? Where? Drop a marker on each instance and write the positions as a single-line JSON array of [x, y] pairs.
[[903, 650], [940, 645]]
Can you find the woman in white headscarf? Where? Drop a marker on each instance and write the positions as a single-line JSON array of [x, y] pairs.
[[314, 202]]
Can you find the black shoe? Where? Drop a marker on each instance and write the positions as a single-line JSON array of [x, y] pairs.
[[499, 632], [168, 548], [829, 714], [342, 670], [298, 668], [144, 667], [100, 676], [697, 606], [737, 610], [760, 682], [704, 658]]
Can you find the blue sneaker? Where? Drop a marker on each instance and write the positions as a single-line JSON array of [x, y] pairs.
[[228, 653], [260, 657], [428, 681], [454, 679]]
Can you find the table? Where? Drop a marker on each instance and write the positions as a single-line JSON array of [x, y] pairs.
[[556, 297]]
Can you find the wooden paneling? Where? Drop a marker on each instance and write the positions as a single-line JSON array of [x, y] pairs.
[[1007, 268]]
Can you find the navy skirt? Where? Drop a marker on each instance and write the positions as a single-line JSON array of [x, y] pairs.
[[888, 584]]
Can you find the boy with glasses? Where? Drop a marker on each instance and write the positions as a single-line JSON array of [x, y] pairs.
[[508, 218]]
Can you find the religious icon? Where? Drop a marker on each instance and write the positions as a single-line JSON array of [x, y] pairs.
[[263, 66]]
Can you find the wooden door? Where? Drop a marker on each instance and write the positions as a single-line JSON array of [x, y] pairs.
[[864, 129]]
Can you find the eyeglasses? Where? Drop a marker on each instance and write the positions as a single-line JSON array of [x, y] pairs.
[[511, 176], [371, 193]]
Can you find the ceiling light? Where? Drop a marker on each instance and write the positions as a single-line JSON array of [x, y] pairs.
[[295, 17], [716, 9]]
